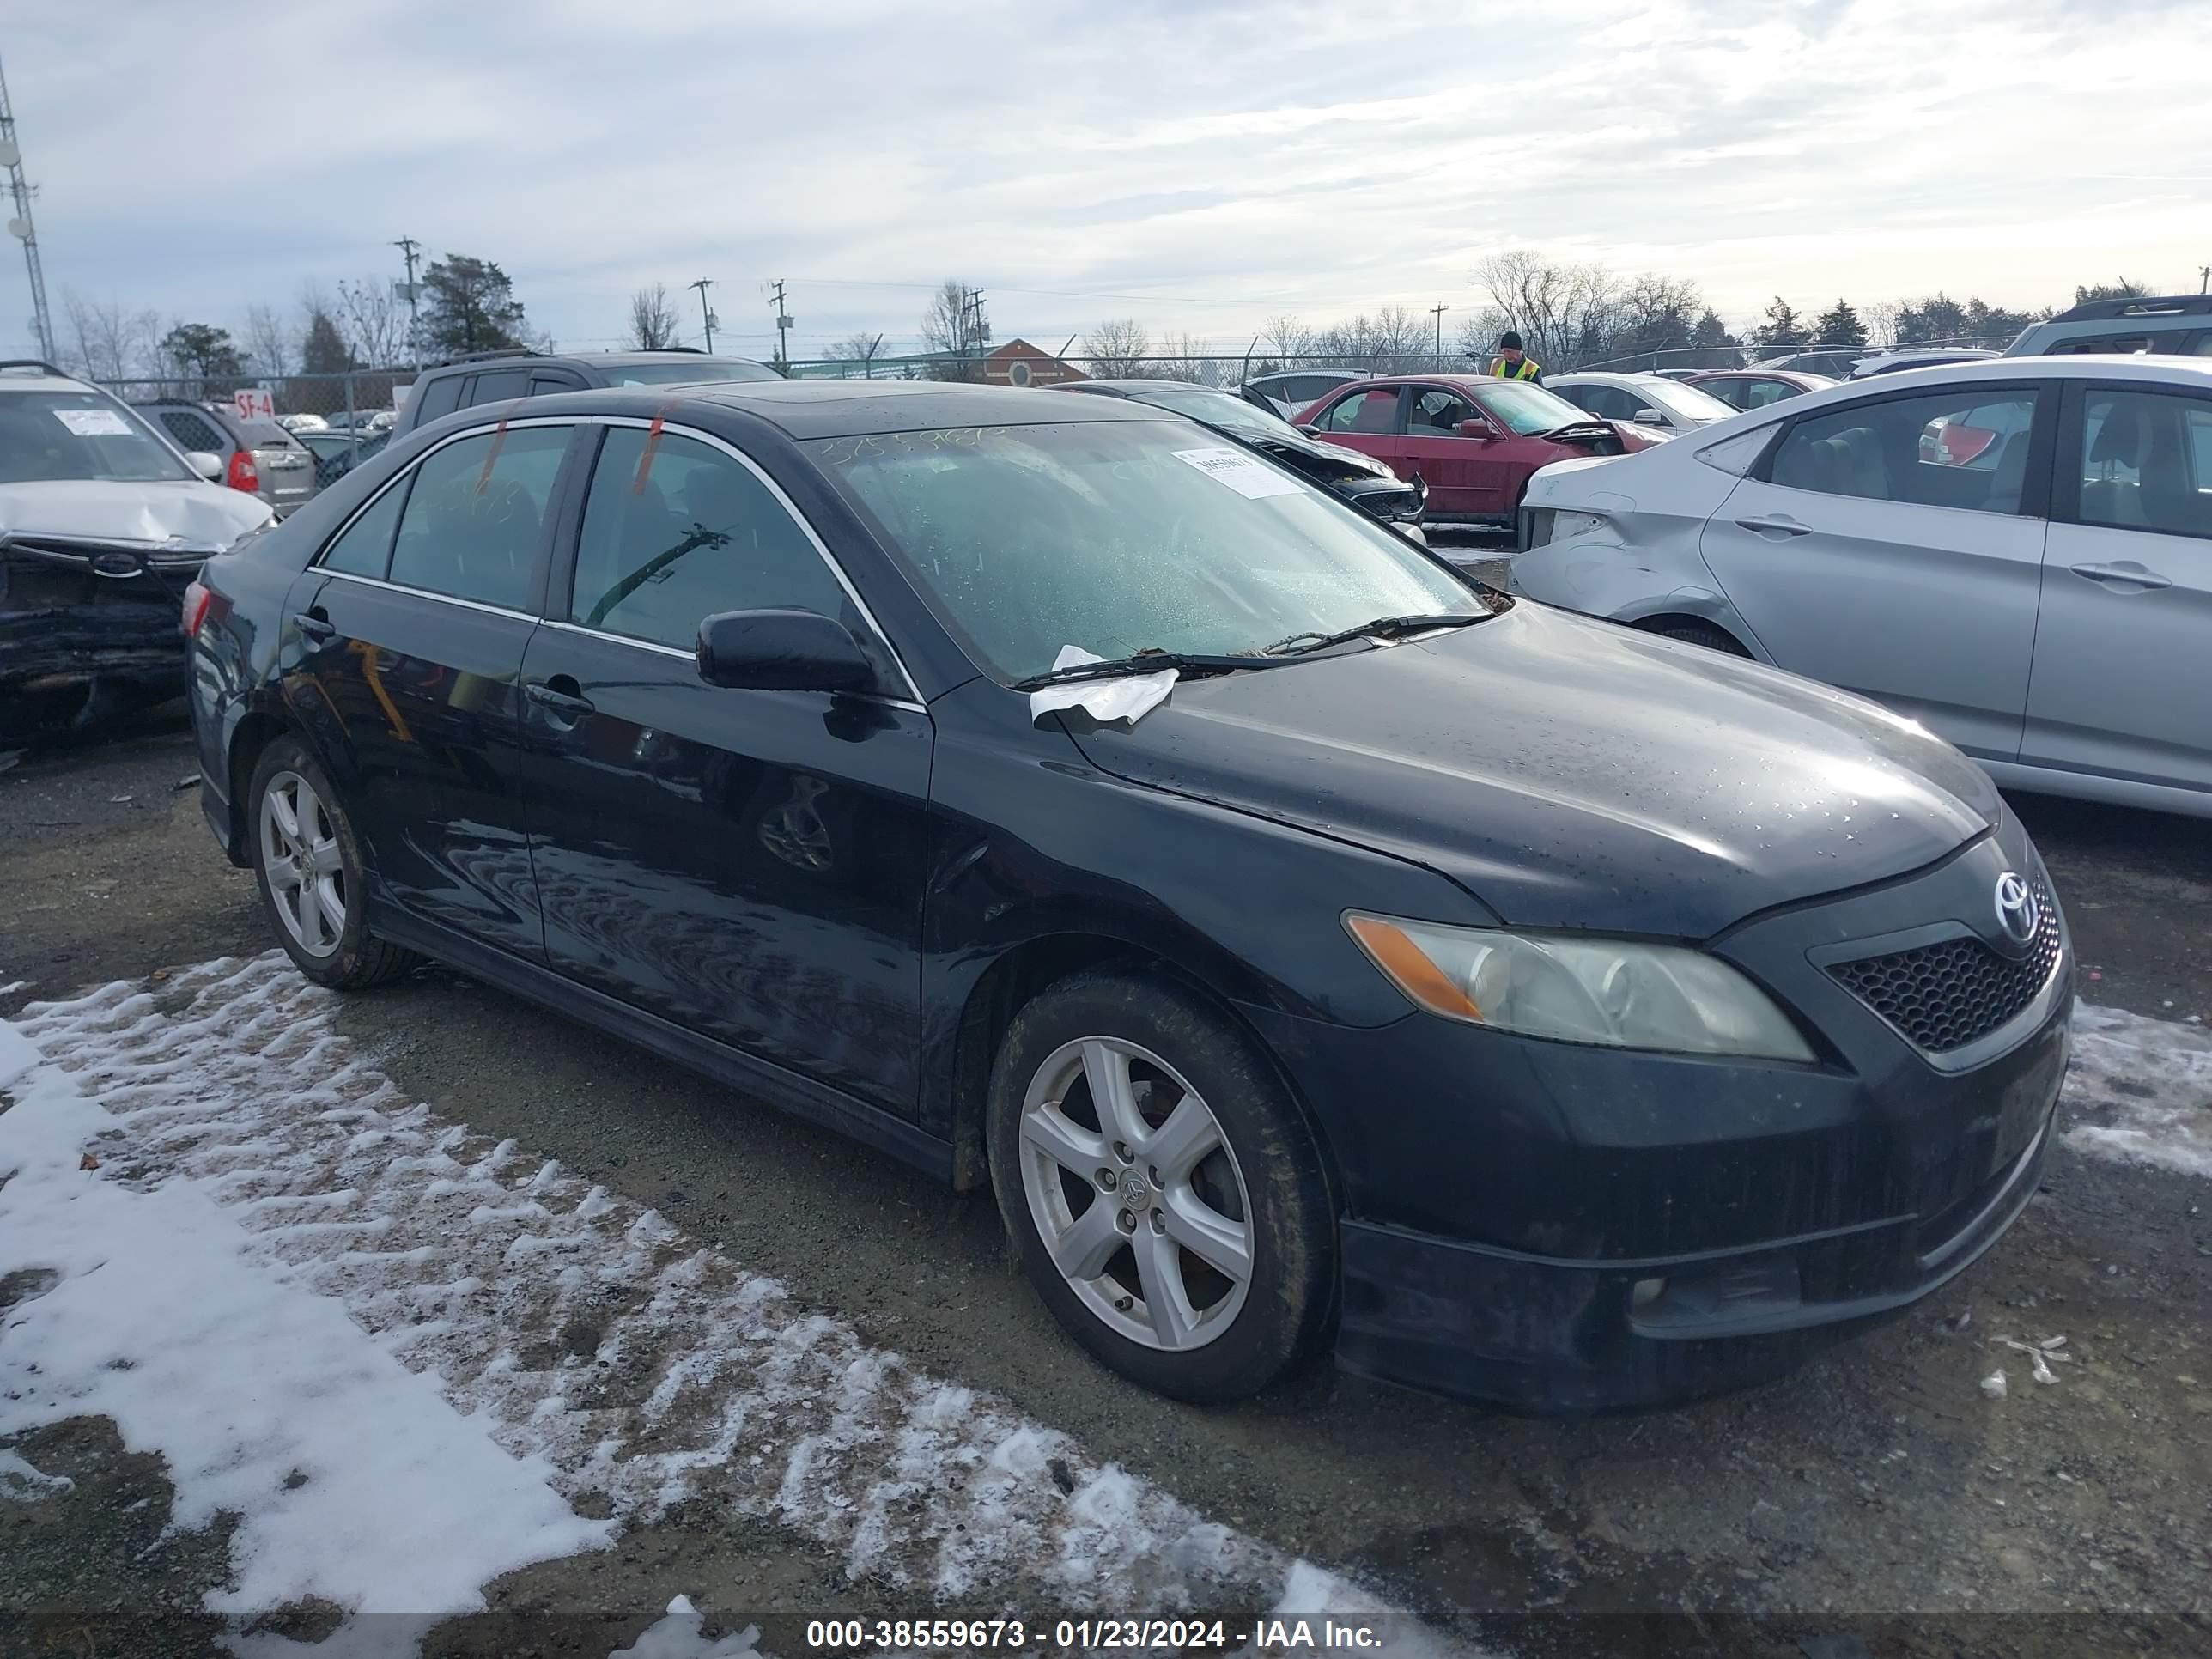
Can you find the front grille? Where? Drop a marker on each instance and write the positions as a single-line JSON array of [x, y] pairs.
[[1944, 996]]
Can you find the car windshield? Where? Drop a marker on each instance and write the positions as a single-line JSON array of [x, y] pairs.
[[1527, 408], [1686, 403], [79, 435], [684, 373], [1219, 409], [1118, 537]]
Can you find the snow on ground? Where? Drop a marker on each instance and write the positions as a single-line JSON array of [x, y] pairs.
[[280, 1244], [2146, 1084], [356, 1480]]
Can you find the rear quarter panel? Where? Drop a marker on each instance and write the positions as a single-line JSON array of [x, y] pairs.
[[1643, 560]]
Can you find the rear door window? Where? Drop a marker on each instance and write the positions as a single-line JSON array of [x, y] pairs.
[[476, 516], [496, 385], [193, 430], [363, 548], [1964, 449], [1371, 412]]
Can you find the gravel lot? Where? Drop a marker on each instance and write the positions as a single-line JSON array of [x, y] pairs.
[[1878, 1481]]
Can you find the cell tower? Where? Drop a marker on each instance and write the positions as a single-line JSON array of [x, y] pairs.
[[21, 228]]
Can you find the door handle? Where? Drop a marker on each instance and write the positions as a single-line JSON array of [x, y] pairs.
[[320, 629], [1774, 526], [561, 697], [2126, 571]]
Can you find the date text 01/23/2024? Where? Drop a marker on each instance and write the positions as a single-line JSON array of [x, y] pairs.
[[1072, 1635]]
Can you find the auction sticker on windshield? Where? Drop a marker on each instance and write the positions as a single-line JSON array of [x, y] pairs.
[[1240, 471], [93, 422]]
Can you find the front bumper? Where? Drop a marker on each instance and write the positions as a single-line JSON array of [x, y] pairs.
[[75, 644], [1563, 1228]]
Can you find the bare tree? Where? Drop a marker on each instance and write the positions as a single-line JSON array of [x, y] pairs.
[[102, 346], [268, 340], [1292, 341], [652, 325], [956, 329], [375, 324], [1181, 357], [1565, 313], [1116, 350], [861, 348]]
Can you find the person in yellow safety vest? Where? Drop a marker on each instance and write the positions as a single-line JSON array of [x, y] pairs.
[[1513, 363]]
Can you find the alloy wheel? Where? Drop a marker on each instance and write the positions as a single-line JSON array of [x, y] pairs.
[[300, 858], [1135, 1194]]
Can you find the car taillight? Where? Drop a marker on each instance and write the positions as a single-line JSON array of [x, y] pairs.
[[243, 475], [197, 597]]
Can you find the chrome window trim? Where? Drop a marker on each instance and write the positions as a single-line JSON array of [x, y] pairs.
[[426, 593], [913, 698]]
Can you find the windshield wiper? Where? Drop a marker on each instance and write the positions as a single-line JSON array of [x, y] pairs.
[[1148, 661], [1382, 627]]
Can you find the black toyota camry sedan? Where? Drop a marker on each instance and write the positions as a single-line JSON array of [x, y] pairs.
[[1310, 946]]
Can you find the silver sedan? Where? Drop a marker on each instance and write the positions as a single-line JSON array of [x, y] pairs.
[[2015, 553]]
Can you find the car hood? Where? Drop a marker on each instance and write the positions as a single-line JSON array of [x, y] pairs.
[[203, 514], [1571, 774], [1333, 461]]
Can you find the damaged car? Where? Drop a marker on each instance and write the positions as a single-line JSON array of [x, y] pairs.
[[103, 525]]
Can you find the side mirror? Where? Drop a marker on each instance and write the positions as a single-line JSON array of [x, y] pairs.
[[206, 463], [1474, 428], [782, 651], [1648, 416]]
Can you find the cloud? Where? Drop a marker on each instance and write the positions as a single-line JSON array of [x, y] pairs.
[[1224, 163]]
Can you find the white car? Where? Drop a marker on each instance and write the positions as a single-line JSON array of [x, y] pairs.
[[2015, 553], [103, 523], [1651, 400], [303, 423]]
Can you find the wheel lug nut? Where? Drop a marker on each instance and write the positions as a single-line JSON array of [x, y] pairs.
[[1121, 1152], [1106, 1181], [1128, 1222], [1159, 1223], [1152, 1174]]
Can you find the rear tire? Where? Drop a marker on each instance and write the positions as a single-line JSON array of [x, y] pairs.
[[1176, 1219], [313, 880], [1690, 631]]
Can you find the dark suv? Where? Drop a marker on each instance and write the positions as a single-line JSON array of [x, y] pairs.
[[2177, 324], [494, 377]]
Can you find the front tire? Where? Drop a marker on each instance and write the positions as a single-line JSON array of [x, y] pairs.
[[1166, 1197], [313, 880]]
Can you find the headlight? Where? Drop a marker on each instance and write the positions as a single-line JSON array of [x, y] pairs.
[[1580, 989]]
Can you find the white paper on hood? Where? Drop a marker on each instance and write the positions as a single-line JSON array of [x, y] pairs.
[[1124, 699], [1247, 474], [93, 422]]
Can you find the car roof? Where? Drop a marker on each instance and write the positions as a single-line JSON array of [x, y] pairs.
[[12, 382], [1142, 384], [2197, 373], [844, 409]]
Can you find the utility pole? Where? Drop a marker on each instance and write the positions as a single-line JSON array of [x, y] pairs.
[[782, 328], [705, 316], [407, 245], [21, 228], [974, 332], [1438, 311]]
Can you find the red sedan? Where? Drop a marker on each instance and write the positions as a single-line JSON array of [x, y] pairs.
[[1472, 439]]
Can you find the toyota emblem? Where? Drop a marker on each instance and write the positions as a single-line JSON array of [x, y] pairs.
[[2018, 914]]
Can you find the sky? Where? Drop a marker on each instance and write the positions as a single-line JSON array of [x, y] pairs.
[[1204, 166]]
